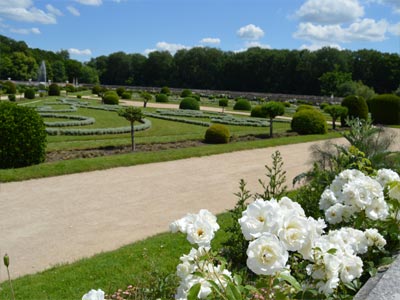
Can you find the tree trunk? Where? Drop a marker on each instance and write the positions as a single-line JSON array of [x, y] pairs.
[[333, 124], [133, 137], [270, 126], [144, 104]]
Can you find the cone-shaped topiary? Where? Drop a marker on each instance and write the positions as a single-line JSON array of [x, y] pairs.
[[217, 134]]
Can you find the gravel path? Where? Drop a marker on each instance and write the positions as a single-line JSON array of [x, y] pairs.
[[48, 221]]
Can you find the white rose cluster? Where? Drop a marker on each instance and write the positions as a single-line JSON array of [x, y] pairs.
[[94, 295], [352, 192], [196, 261], [200, 228]]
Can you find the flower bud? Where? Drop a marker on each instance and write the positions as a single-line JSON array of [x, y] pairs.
[[6, 260]]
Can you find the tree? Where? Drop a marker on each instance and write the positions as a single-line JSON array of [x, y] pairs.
[[336, 111], [330, 82], [223, 103], [132, 114], [146, 98], [272, 110]]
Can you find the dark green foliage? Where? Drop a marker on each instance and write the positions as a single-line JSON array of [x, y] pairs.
[[357, 108], [303, 107], [223, 103], [258, 112], [146, 96], [126, 95], [242, 104], [79, 96], [12, 97], [336, 111], [29, 93], [286, 104], [23, 136], [9, 87], [54, 89], [217, 134], [323, 105], [111, 97], [162, 98], [69, 88], [120, 91], [189, 103], [385, 109], [186, 93], [272, 110], [309, 122], [96, 89], [195, 96], [165, 90], [132, 114]]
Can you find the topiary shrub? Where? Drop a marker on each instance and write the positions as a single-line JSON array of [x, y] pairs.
[[385, 109], [186, 93], [29, 93], [258, 112], [162, 98], [96, 89], [9, 87], [242, 104], [223, 103], [12, 97], [356, 108], [79, 96], [111, 97], [165, 90], [323, 105], [189, 103], [69, 88], [217, 134], [309, 121], [126, 95], [23, 136], [54, 89], [304, 107], [120, 91], [195, 96]]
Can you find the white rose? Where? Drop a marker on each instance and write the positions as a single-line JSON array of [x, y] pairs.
[[200, 232], [288, 204], [328, 199], [384, 176], [351, 268], [315, 230], [374, 238], [94, 295], [334, 214], [294, 231], [394, 191], [182, 224], [210, 218], [378, 210], [266, 255]]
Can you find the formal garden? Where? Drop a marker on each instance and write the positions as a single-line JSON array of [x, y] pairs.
[[320, 241]]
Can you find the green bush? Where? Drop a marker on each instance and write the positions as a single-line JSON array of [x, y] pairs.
[[54, 89], [29, 93], [217, 134], [356, 108], [12, 97], [96, 89], [9, 87], [120, 91], [165, 90], [242, 104], [304, 107], [309, 121], [286, 104], [79, 96], [23, 136], [385, 109], [126, 95], [323, 105], [195, 96], [186, 93], [258, 112], [69, 88], [189, 103], [111, 97], [162, 98]]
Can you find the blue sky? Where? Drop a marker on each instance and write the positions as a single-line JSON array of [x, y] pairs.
[[90, 28]]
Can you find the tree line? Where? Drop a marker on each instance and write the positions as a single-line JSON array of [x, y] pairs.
[[256, 69]]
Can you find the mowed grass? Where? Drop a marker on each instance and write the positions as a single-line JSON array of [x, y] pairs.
[[141, 264]]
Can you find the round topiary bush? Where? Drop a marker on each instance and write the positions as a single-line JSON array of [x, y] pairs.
[[217, 134], [23, 136], [195, 96], [69, 88], [12, 97], [111, 97], [258, 112], [9, 87], [126, 95], [96, 89], [54, 89], [189, 103], [356, 108], [29, 93], [186, 93], [385, 109], [304, 107], [120, 91], [165, 90], [309, 121], [162, 98], [242, 104]]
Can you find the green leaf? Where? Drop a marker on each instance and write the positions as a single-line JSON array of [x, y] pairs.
[[291, 280], [194, 292], [332, 251], [233, 292]]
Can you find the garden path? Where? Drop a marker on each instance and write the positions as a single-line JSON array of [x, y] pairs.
[[44, 222]]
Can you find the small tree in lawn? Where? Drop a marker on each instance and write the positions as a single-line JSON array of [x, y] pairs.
[[336, 111], [146, 98], [132, 114], [273, 109], [223, 103]]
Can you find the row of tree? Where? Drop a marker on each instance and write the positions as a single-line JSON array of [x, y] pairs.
[[258, 70]]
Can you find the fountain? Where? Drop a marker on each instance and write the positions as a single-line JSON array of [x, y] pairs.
[[42, 75]]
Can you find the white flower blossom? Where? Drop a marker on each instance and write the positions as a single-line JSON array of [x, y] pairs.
[[394, 191], [334, 214], [266, 255], [94, 295], [294, 231], [289, 205], [351, 268], [374, 238], [384, 176]]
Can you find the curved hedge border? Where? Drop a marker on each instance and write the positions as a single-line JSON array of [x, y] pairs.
[[81, 120], [98, 131], [168, 118], [48, 109], [230, 120]]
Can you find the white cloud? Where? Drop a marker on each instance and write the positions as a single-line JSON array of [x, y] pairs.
[[250, 32], [257, 44], [33, 30], [90, 2], [363, 30], [315, 47], [330, 11], [51, 9], [164, 46], [25, 11], [214, 41], [75, 51], [73, 11]]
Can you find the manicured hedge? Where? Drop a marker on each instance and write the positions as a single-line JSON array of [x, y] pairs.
[[217, 134], [309, 122], [162, 98], [385, 109], [356, 108], [79, 120], [189, 103], [242, 104]]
